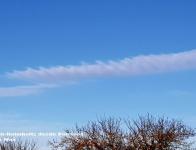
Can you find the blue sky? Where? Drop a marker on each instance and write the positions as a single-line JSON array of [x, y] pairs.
[[148, 47]]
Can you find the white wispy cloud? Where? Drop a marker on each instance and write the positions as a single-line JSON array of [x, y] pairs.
[[44, 78], [23, 90], [139, 65]]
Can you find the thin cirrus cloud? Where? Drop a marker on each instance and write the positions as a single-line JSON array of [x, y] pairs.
[[23, 90], [139, 65], [43, 77]]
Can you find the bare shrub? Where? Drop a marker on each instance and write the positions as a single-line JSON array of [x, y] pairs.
[[19, 145], [146, 133]]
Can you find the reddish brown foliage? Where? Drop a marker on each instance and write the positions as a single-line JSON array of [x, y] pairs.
[[146, 133]]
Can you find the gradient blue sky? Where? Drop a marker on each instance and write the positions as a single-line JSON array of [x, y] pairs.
[[48, 33]]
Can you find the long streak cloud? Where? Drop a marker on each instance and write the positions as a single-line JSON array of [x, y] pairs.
[[138, 65], [23, 90]]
